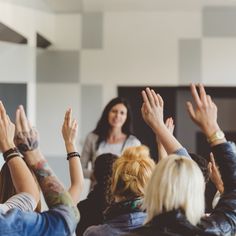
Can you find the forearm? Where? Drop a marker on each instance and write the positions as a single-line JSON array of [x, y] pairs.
[[76, 174], [226, 160], [53, 191], [161, 150], [169, 142], [22, 178], [77, 179]]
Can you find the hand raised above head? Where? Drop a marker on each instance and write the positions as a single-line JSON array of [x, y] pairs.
[[69, 130], [205, 112], [7, 130], [152, 108], [26, 137]]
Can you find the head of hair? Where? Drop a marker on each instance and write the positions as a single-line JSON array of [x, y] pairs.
[[176, 183], [203, 165], [102, 174], [131, 172], [7, 188], [103, 127]]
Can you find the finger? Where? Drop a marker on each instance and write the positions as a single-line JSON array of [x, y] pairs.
[[190, 110], [209, 167], [209, 100], [212, 159], [203, 95], [18, 123], [161, 102], [156, 100], [195, 95], [23, 119], [146, 101], [2, 110], [150, 97], [74, 124]]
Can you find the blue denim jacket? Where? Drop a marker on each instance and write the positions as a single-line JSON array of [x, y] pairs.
[[57, 221], [117, 226]]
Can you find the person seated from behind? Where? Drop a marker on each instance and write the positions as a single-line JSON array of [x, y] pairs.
[[130, 175], [174, 198], [62, 216], [8, 189], [91, 209]]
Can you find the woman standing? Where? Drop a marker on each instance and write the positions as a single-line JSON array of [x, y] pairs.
[[112, 134]]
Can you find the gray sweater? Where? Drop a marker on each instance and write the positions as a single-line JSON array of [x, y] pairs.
[[89, 152]]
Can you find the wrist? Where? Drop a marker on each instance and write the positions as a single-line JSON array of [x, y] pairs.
[[7, 146], [210, 129], [70, 147], [33, 157]]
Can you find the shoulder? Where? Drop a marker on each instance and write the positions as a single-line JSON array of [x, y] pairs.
[[91, 137], [96, 230], [133, 141]]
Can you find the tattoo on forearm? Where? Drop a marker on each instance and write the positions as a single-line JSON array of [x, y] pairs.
[[26, 141], [54, 192]]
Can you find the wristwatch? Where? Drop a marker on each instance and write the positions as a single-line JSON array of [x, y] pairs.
[[218, 135]]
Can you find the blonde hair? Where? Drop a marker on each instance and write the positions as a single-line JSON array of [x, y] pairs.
[[131, 172], [176, 183]]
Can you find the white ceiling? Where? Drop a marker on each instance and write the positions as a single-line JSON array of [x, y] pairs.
[[76, 6]]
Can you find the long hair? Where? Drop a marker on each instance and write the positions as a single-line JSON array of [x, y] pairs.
[[176, 183], [102, 174], [131, 172], [103, 127], [7, 188]]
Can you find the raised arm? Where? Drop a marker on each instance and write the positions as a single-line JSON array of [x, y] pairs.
[[69, 132], [161, 150], [152, 112], [222, 220], [22, 178], [53, 191]]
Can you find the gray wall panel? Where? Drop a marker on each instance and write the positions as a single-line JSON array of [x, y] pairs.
[[92, 30], [13, 95], [189, 61], [57, 66], [219, 21], [91, 95]]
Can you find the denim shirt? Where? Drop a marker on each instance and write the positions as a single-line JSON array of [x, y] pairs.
[[58, 221], [117, 226]]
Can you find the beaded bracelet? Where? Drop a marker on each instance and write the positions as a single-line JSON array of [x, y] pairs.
[[72, 154], [11, 153]]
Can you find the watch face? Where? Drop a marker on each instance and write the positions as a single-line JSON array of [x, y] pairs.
[[220, 134]]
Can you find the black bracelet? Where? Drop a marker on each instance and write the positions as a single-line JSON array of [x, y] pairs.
[[72, 154], [9, 154], [12, 156]]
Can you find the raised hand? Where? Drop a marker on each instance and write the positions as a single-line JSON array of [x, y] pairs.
[[215, 174], [170, 124], [7, 130], [152, 112], [205, 113], [152, 108], [161, 150], [69, 131], [26, 138]]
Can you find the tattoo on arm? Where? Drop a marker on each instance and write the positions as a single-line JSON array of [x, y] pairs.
[[54, 192], [26, 141]]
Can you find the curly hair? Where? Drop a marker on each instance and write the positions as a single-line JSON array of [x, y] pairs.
[[102, 173]]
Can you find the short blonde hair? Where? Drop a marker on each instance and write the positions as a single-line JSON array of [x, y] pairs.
[[176, 183], [131, 172]]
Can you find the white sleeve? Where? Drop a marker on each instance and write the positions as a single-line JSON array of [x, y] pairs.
[[22, 201]]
